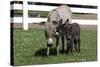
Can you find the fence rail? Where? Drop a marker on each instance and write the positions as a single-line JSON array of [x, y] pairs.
[[37, 20], [25, 7], [48, 8]]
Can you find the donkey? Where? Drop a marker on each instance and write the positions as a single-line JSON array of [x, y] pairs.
[[73, 37], [51, 34], [54, 16], [62, 12]]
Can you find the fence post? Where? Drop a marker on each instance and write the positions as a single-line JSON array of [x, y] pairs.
[[25, 16]]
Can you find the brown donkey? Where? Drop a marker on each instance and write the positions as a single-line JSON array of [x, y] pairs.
[[51, 34]]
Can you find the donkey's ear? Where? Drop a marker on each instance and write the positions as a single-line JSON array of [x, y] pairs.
[[42, 23], [46, 35], [55, 22]]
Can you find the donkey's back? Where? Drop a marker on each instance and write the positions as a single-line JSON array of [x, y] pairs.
[[62, 12]]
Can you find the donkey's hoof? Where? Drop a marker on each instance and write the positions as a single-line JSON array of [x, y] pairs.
[[57, 53], [47, 54]]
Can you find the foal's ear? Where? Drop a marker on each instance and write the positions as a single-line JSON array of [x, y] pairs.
[[60, 21], [67, 21]]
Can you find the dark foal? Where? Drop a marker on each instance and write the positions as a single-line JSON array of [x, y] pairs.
[[62, 32], [73, 37]]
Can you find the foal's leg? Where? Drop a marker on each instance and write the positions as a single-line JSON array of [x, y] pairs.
[[79, 45], [62, 38], [57, 44], [76, 44], [68, 47], [71, 45]]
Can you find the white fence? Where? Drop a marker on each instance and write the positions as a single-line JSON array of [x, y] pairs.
[[25, 7]]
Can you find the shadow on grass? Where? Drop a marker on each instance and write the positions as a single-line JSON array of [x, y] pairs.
[[43, 52]]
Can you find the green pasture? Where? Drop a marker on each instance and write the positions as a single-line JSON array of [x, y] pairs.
[[30, 48]]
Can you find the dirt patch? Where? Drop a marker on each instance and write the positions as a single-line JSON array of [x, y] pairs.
[[42, 26]]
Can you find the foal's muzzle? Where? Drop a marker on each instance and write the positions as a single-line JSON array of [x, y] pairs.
[[56, 34]]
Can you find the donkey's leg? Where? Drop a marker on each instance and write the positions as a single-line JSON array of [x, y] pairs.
[[57, 44], [48, 50], [57, 49]]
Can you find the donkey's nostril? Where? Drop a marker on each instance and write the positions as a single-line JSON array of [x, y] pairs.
[[50, 42]]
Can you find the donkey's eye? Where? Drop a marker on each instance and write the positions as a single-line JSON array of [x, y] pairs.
[[55, 23]]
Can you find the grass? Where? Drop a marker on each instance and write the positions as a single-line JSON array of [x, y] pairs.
[[30, 48]]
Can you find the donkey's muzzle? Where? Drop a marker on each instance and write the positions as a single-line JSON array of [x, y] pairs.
[[50, 42]]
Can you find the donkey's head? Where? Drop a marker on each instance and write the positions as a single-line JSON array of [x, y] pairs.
[[50, 33], [52, 30]]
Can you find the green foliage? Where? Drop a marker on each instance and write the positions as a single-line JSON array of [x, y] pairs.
[[30, 48]]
